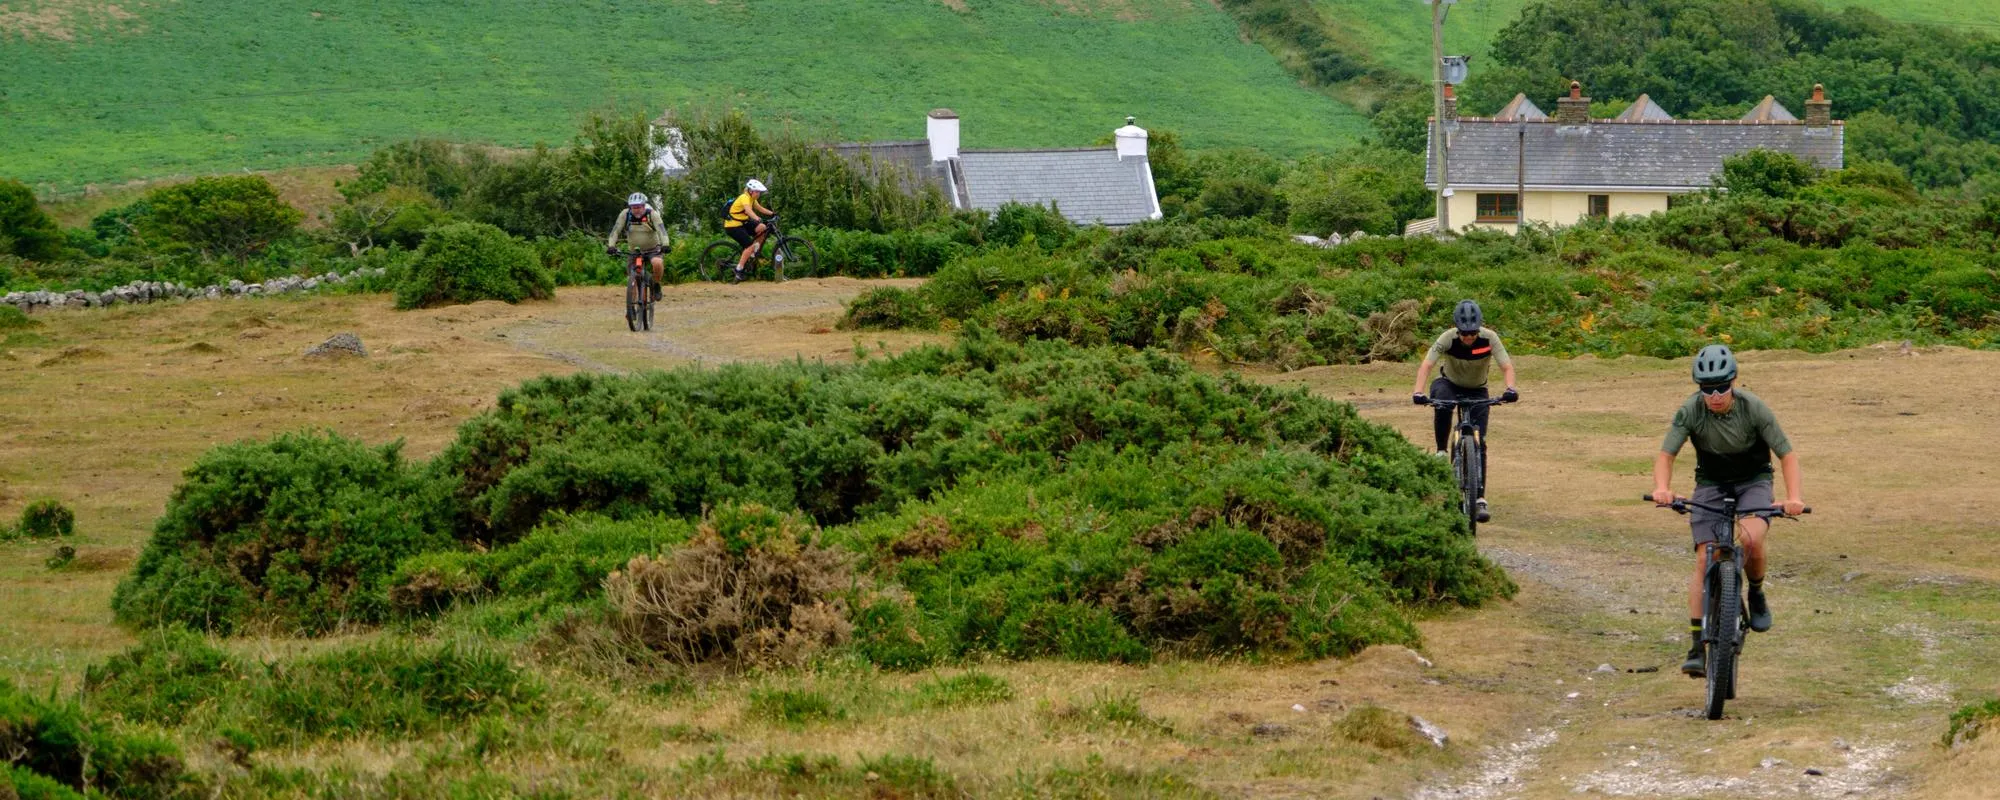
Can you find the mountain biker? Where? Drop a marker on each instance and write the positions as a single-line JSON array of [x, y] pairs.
[[640, 225], [746, 223], [1734, 437], [1467, 352]]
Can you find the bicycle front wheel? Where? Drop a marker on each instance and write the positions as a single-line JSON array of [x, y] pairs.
[[794, 258], [1465, 467], [634, 292], [718, 260], [1725, 618]]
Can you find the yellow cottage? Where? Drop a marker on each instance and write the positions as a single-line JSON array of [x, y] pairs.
[[1561, 170]]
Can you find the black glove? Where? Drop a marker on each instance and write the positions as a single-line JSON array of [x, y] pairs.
[[610, 251], [1510, 395], [1420, 399]]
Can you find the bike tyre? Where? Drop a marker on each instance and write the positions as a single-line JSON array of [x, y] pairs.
[[646, 303], [794, 258], [632, 293], [1727, 620], [1465, 468], [718, 260]]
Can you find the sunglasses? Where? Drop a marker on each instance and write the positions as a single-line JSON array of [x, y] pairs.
[[1714, 389]]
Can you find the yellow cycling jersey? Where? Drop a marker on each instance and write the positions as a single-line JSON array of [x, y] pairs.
[[739, 211]]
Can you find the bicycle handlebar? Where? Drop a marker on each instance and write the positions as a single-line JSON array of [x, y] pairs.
[[1681, 505], [1490, 401]]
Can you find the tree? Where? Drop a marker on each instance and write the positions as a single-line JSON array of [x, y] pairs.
[[1767, 172], [25, 229], [235, 217]]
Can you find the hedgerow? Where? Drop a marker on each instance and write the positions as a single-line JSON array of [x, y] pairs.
[[991, 497]]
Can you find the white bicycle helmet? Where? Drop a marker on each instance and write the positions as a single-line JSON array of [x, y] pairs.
[[637, 199], [755, 185]]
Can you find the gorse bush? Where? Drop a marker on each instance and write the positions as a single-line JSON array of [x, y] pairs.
[[46, 519], [223, 217], [1019, 500], [1837, 264], [468, 262], [55, 747], [386, 688], [294, 532], [25, 229]]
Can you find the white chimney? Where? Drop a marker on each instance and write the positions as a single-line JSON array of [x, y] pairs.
[[941, 129], [1131, 140]]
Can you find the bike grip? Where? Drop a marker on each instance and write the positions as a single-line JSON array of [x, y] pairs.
[[1648, 497], [1806, 510]]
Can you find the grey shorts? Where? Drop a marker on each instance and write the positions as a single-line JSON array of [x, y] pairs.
[[1708, 525]]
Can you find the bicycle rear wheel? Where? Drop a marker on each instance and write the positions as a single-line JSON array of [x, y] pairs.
[[718, 260], [1465, 467], [1726, 620], [794, 258]]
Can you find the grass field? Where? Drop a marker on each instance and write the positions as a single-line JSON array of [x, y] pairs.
[[1886, 596], [92, 92]]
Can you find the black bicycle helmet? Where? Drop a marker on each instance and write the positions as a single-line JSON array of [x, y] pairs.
[[1714, 364], [1467, 317]]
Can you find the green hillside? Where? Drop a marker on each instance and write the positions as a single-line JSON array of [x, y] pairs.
[[94, 92]]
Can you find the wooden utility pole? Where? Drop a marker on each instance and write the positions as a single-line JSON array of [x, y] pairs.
[[1438, 134]]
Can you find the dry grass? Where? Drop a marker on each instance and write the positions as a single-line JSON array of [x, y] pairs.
[[62, 20], [1886, 596]]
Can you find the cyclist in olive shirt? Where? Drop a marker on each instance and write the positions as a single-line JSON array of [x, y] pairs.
[[1734, 437], [1467, 354], [641, 227]]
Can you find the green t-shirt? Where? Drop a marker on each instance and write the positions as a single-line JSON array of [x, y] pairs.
[[1729, 448], [1468, 364]]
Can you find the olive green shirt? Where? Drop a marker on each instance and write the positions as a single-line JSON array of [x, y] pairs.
[[1467, 365], [1729, 448], [639, 235]]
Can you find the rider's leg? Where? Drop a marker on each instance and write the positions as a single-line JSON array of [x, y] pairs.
[[1756, 495], [659, 272], [1479, 418], [1695, 665], [1442, 389]]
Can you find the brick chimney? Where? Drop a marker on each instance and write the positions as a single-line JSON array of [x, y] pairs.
[[1819, 110], [1574, 109], [941, 128], [1450, 103]]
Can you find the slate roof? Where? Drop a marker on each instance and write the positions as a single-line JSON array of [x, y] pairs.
[[1770, 110], [913, 159], [1521, 108], [1673, 156], [1087, 184], [1644, 110]]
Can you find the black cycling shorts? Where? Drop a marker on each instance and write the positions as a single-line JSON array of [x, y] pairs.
[[743, 234]]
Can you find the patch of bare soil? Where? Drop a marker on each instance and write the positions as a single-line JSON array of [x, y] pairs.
[[64, 20]]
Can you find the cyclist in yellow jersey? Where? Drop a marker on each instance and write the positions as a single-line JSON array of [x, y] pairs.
[[746, 223]]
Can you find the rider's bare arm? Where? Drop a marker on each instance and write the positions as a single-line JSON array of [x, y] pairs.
[[1507, 369], [1795, 499], [1663, 477], [1424, 375]]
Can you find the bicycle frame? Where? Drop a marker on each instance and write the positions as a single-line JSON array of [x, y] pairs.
[[1722, 570]]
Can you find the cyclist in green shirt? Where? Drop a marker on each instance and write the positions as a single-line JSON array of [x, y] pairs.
[[1734, 436], [1467, 354], [640, 225]]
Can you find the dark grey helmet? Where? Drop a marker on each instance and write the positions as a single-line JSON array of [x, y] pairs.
[[1467, 317], [1714, 364]]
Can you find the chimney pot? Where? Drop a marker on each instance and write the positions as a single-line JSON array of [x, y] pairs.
[[1450, 103], [1819, 110], [1573, 110]]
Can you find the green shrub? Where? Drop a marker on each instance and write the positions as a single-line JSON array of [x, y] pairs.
[[394, 688], [50, 741], [46, 519], [25, 229], [561, 562], [1969, 721], [293, 533], [1381, 728], [468, 262], [888, 307], [221, 217], [14, 319]]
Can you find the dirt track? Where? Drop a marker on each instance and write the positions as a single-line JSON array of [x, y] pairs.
[[1888, 597]]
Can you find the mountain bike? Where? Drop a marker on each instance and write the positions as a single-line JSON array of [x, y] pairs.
[[638, 289], [1466, 447], [789, 257], [1724, 620]]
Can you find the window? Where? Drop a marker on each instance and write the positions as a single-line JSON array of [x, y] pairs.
[[1600, 206], [1499, 208]]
